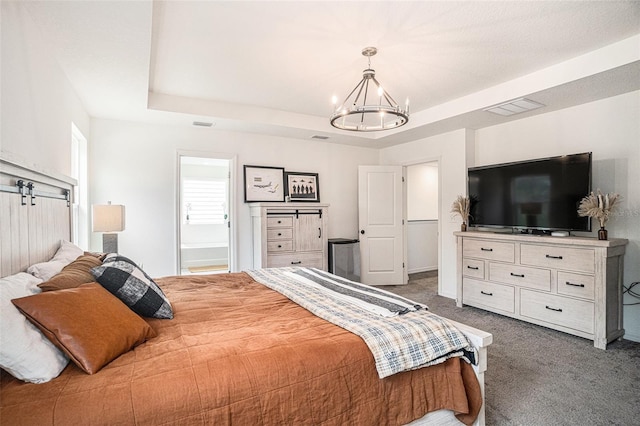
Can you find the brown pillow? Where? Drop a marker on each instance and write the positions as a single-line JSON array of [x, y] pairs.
[[97, 254], [88, 323], [73, 275]]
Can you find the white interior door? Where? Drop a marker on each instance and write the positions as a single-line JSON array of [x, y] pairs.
[[381, 220]]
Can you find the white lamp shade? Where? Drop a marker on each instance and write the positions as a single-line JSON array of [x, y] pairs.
[[108, 218]]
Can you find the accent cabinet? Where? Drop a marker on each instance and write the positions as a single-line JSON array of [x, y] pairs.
[[570, 284], [289, 234]]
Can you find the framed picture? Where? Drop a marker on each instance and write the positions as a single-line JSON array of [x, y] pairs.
[[263, 183], [302, 186]]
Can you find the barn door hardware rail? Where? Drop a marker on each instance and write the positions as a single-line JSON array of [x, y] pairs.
[[296, 212], [28, 189]]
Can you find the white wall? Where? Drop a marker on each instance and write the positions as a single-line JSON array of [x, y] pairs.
[[422, 191], [422, 246], [38, 103], [422, 217], [450, 149], [609, 128], [135, 165]]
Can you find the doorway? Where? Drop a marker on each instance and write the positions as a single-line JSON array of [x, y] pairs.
[[422, 217], [420, 241], [204, 213]]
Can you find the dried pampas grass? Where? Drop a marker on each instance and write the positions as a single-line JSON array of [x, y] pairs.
[[599, 206], [462, 207]]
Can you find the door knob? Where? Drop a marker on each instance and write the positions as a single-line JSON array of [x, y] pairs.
[[362, 231]]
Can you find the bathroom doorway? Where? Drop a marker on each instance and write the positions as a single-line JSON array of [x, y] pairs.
[[204, 235]]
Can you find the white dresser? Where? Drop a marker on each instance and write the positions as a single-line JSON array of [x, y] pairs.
[[289, 234], [571, 284]]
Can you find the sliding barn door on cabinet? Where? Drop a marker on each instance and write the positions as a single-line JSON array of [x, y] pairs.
[[309, 236]]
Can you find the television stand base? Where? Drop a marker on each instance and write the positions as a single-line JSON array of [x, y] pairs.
[[539, 232], [571, 284]]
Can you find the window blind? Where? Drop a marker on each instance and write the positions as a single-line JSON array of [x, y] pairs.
[[204, 201]]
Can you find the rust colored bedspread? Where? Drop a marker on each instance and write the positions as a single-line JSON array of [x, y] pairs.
[[239, 353]]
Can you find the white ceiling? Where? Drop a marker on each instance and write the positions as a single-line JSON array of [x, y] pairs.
[[273, 66]]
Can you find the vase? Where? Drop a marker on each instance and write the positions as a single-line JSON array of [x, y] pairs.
[[463, 227], [602, 233]]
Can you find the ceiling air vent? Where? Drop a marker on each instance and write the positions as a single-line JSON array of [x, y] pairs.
[[202, 123], [514, 107], [319, 137]]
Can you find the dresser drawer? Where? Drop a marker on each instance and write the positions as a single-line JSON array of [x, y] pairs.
[[280, 222], [279, 234], [559, 310], [488, 295], [473, 268], [309, 260], [520, 275], [565, 258], [577, 285], [277, 246], [490, 250]]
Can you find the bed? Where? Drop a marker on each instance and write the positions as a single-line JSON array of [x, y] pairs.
[[235, 352]]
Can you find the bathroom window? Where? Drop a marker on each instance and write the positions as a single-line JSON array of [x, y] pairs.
[[204, 201]]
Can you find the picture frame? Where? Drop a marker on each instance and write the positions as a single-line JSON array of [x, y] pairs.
[[263, 183], [303, 187]]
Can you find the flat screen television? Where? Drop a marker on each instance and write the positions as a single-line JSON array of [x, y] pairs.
[[535, 195]]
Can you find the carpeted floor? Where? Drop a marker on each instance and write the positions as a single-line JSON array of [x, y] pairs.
[[538, 376]]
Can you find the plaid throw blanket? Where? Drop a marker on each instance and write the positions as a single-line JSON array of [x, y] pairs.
[[398, 343]]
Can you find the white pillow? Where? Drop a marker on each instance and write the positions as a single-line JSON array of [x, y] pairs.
[[24, 351], [67, 253]]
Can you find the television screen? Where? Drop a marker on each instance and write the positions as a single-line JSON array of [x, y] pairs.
[[541, 194]]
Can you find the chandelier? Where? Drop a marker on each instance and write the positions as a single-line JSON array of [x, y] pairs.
[[381, 113]]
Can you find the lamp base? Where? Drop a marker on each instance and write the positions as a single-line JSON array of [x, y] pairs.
[[110, 243]]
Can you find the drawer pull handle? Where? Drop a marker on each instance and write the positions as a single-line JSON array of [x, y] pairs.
[[279, 246], [517, 275], [554, 257], [279, 234], [486, 249], [279, 221], [486, 293], [297, 263], [475, 268], [553, 309], [573, 284]]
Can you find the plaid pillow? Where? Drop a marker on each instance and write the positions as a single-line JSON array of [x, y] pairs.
[[125, 280]]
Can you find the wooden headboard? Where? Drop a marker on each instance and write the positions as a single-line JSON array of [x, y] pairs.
[[35, 214]]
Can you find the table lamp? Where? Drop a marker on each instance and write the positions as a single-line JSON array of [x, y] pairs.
[[109, 219]]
